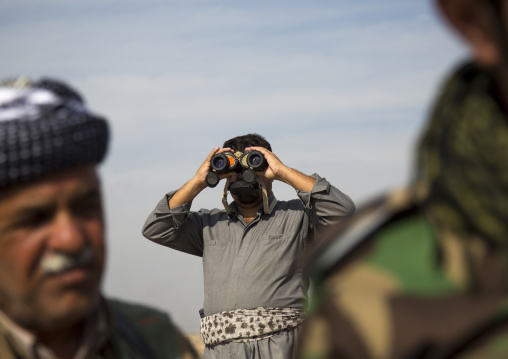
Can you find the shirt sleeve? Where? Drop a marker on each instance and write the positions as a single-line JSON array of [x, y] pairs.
[[177, 228], [325, 203]]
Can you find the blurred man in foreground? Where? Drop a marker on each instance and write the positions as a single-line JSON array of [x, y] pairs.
[[423, 273], [52, 246]]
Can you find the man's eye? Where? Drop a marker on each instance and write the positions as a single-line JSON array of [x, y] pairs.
[[90, 207], [34, 219]]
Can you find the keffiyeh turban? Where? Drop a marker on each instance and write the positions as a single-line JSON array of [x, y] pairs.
[[45, 127]]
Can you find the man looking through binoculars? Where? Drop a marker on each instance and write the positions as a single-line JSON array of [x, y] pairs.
[[252, 249]]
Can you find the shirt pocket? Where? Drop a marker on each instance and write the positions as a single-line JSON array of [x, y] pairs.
[[273, 238], [216, 242]]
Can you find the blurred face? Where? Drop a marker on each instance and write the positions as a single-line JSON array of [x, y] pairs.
[[483, 26], [51, 249]]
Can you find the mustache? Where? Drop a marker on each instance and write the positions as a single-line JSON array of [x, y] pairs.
[[57, 262]]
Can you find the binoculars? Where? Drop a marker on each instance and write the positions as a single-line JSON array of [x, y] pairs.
[[249, 161]]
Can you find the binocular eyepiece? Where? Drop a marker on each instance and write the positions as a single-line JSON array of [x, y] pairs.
[[249, 161]]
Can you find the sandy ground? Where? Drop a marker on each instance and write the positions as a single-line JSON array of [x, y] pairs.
[[196, 341]]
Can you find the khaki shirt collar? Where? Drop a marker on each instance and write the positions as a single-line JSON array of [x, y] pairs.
[[94, 336]]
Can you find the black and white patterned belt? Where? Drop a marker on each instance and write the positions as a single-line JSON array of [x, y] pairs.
[[244, 325]]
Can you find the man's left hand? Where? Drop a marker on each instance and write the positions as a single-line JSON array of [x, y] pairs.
[[275, 166], [276, 170]]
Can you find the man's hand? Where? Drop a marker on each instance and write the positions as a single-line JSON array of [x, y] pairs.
[[276, 170], [275, 166], [200, 177], [198, 183]]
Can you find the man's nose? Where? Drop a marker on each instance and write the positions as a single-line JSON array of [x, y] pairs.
[[67, 234]]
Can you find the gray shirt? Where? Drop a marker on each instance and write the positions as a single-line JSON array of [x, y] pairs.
[[256, 264]]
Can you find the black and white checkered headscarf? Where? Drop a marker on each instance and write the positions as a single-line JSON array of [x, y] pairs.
[[45, 127]]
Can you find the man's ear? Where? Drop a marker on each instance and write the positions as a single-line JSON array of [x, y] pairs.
[[474, 21]]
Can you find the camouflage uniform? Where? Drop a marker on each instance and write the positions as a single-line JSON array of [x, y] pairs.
[[422, 273]]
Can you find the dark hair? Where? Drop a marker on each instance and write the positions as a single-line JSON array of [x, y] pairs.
[[240, 143]]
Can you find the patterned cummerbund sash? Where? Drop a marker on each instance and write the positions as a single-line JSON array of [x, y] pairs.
[[244, 325]]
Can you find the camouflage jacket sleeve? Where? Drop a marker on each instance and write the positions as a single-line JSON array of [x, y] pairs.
[[389, 284]]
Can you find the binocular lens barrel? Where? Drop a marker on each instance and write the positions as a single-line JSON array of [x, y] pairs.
[[256, 161], [212, 179], [218, 163], [224, 162], [221, 162], [249, 176]]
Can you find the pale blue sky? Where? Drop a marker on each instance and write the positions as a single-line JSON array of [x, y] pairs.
[[339, 87]]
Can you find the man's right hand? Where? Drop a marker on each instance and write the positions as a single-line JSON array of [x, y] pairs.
[[198, 183], [200, 177]]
